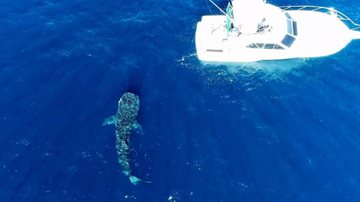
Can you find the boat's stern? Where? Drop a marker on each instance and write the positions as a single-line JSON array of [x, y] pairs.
[[209, 36], [199, 41]]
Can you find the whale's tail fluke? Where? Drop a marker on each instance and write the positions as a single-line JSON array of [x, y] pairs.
[[135, 180]]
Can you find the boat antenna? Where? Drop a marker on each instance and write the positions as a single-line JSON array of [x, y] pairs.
[[221, 10]]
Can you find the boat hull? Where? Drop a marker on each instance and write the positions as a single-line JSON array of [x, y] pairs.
[[318, 34]]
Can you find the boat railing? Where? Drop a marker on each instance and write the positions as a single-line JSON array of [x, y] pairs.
[[328, 10]]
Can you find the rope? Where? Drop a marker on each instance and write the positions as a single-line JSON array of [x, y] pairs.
[[207, 3]]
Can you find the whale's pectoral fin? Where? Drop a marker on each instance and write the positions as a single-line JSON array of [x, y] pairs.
[[110, 120], [137, 128]]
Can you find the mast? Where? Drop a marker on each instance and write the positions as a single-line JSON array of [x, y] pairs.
[[221, 10]]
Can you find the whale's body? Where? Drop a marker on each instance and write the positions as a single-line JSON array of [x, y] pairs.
[[125, 121]]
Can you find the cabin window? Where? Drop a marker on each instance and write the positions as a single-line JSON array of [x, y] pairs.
[[295, 28], [269, 46], [287, 15], [291, 25], [264, 46], [288, 40], [254, 45], [273, 46]]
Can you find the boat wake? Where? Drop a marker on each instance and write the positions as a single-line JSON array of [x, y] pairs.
[[281, 66], [272, 67]]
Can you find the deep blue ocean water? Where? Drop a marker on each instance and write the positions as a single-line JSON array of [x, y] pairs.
[[274, 131]]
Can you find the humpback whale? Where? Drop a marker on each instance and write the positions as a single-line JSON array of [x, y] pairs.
[[125, 122]]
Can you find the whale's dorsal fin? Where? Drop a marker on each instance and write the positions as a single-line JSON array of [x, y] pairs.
[[111, 120]]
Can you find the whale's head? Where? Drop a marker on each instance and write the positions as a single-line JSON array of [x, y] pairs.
[[128, 107]]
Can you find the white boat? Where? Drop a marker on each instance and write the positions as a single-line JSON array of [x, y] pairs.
[[254, 30]]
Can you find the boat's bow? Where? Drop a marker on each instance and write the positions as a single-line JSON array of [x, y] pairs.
[[354, 34]]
